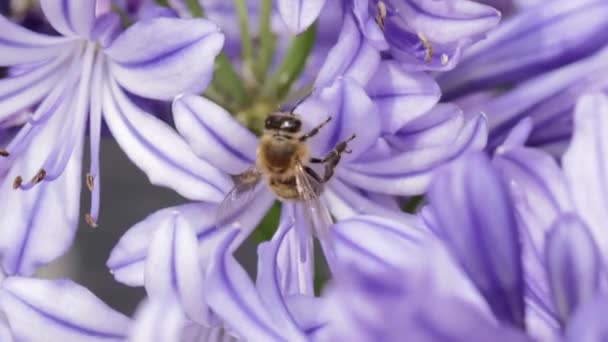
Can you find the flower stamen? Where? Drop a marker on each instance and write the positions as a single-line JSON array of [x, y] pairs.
[[90, 221], [4, 153], [39, 177], [17, 182], [381, 13], [428, 48], [90, 180]]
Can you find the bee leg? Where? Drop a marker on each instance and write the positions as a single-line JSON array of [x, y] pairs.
[[332, 158], [315, 130]]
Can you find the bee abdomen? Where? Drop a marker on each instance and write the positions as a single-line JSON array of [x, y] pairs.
[[285, 188]]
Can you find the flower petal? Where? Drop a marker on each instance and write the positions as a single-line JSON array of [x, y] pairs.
[[155, 148], [344, 201], [409, 172], [476, 219], [173, 269], [162, 57], [268, 280], [214, 134], [446, 21], [392, 89], [232, 295], [538, 188], [530, 43], [573, 264], [298, 15], [127, 259], [430, 35], [70, 17], [371, 241], [352, 112], [42, 220], [590, 322], [547, 99], [158, 319], [585, 164], [38, 311], [21, 46], [25, 89], [352, 56]]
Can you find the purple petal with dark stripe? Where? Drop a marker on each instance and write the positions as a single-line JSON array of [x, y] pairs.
[[173, 268], [128, 257], [25, 89], [160, 58], [298, 15], [70, 17], [232, 295], [476, 219], [393, 88], [585, 164], [214, 134], [547, 99], [371, 242], [59, 310], [530, 43], [409, 172], [573, 264], [540, 194], [352, 112], [538, 188], [352, 56], [268, 282], [160, 152], [21, 46], [447, 26], [158, 319], [44, 219]]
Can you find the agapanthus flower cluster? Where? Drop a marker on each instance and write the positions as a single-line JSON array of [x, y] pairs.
[[458, 151]]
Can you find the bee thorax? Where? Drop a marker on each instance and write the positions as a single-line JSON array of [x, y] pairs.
[[279, 155]]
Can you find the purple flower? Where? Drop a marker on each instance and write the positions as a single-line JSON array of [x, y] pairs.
[[547, 99], [530, 43], [471, 211], [88, 73], [58, 310], [425, 35], [561, 212]]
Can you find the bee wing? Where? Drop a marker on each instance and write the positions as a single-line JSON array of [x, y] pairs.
[[315, 213], [242, 192]]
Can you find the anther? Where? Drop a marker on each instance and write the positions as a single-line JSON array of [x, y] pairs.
[[444, 59], [4, 153], [90, 180], [428, 48], [89, 220], [17, 182], [39, 176], [381, 13]]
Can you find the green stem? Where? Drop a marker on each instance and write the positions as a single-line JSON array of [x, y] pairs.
[[164, 3], [292, 66], [228, 82], [267, 41], [247, 50], [195, 8]]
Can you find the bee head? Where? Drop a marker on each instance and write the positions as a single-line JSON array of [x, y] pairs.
[[283, 122]]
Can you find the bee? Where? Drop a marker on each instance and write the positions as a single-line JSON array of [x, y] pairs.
[[283, 164]]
